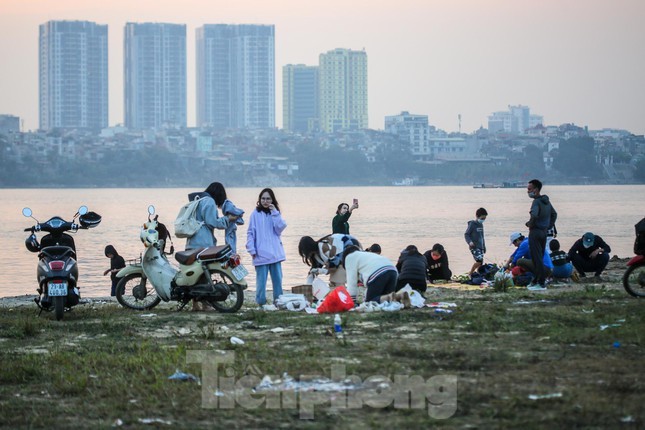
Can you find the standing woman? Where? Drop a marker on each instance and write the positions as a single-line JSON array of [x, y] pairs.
[[339, 224], [265, 245]]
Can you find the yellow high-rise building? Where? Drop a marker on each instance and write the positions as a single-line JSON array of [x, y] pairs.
[[343, 90]]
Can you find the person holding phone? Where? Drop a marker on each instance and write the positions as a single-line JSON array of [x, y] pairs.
[[339, 224]]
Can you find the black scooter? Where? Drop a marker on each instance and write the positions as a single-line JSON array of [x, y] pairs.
[[57, 272]]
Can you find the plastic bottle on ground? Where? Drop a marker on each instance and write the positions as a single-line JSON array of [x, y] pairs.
[[338, 328]]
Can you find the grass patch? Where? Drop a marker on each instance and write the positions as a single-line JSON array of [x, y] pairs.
[[502, 347]]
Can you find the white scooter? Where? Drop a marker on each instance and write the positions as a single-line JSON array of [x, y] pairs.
[[213, 275]]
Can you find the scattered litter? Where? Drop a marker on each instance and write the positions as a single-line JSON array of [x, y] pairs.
[[317, 384], [219, 393], [224, 328], [183, 331], [544, 396], [277, 330], [367, 307], [628, 419], [616, 344], [292, 302], [147, 315], [441, 305], [606, 326], [621, 320], [530, 302], [117, 423], [443, 311], [589, 311], [182, 376], [270, 307], [236, 341], [311, 310], [93, 376], [391, 306], [154, 421]]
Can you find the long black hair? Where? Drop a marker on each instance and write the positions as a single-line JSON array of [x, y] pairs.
[[259, 206], [308, 250], [217, 192], [340, 206]]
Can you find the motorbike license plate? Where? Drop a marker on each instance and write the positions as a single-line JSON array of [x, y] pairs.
[[239, 272], [57, 289]]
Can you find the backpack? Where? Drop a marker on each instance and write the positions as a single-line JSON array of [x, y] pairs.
[[186, 223]]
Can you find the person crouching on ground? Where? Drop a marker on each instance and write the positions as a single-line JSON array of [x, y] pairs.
[[438, 268], [590, 254], [326, 253], [116, 263], [378, 273], [413, 269], [562, 267]]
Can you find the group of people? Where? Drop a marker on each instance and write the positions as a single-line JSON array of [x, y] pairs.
[[342, 256], [538, 256]]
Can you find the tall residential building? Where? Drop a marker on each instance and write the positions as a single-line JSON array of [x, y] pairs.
[[73, 75], [343, 90], [516, 120], [299, 97], [236, 76], [155, 75]]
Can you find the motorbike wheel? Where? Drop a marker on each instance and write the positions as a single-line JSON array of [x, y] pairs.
[[134, 292], [634, 280], [59, 307], [235, 299]]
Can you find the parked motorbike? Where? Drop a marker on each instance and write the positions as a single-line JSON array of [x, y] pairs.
[[634, 277], [57, 272], [212, 275]]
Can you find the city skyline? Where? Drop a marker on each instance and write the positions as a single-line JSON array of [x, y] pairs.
[[573, 62]]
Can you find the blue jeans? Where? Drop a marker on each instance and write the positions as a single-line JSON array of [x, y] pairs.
[[563, 271], [261, 273]]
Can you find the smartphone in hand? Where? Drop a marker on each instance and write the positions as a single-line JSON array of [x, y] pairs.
[[355, 202]]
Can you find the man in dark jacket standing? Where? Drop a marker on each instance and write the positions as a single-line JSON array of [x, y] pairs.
[[543, 217], [590, 254]]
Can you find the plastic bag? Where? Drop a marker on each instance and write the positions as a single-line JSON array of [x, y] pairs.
[[338, 300], [416, 299], [320, 288]]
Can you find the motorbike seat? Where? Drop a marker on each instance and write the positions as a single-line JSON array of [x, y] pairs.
[[216, 253], [188, 257]]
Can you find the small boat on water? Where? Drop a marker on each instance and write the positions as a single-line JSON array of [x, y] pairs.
[[482, 185]]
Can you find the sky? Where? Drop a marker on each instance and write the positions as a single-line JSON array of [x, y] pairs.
[[571, 61]]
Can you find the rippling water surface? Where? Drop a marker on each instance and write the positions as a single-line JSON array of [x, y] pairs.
[[394, 217]]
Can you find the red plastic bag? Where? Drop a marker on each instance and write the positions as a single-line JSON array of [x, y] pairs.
[[338, 300]]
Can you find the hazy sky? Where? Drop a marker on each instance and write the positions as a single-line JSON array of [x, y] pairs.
[[579, 61]]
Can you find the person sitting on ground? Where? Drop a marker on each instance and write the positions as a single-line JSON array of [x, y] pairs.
[[375, 248], [413, 268], [562, 267], [379, 275], [590, 254], [437, 259], [326, 253], [474, 236], [523, 263]]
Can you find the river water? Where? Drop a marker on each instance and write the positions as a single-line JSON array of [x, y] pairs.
[[394, 217]]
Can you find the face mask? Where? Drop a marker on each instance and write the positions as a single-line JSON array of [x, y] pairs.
[[481, 220], [435, 257], [532, 195]]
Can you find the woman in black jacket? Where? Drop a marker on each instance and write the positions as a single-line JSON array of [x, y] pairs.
[[412, 267]]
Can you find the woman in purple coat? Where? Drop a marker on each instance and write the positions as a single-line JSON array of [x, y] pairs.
[[265, 245]]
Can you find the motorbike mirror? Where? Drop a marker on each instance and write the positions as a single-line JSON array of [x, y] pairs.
[[82, 210], [26, 212], [151, 209]]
